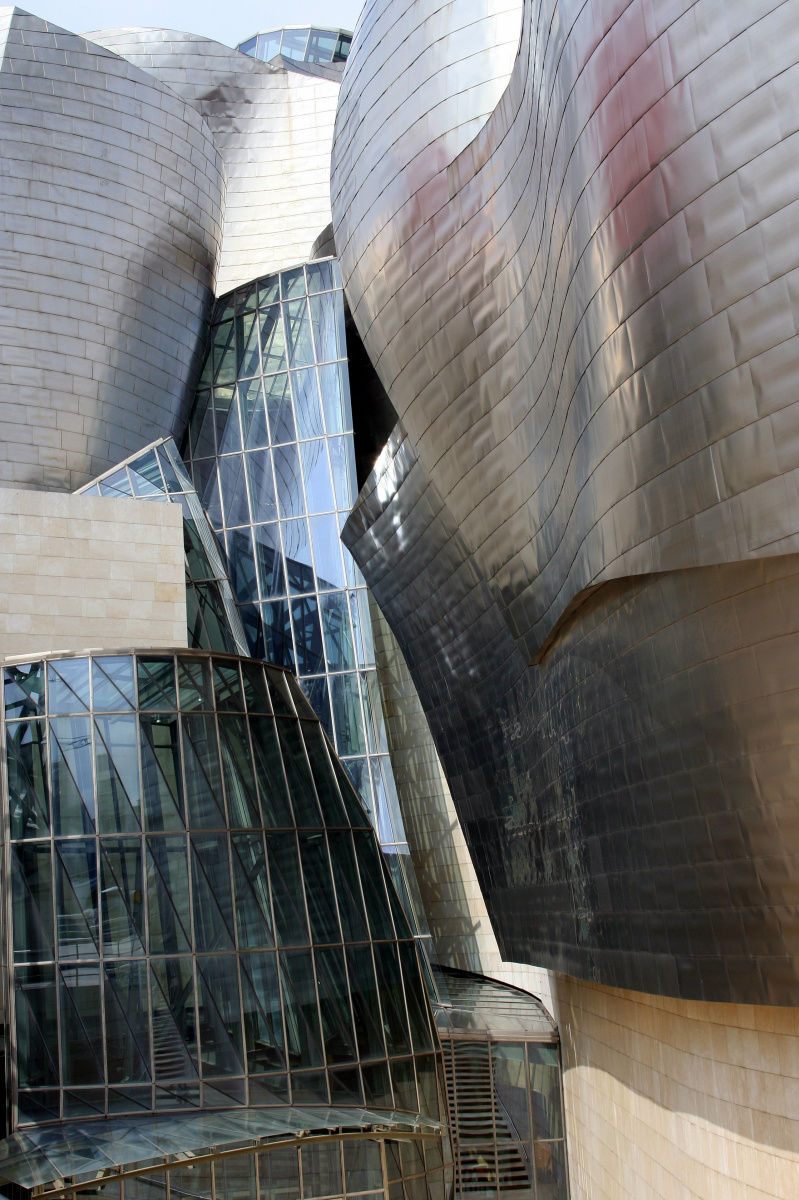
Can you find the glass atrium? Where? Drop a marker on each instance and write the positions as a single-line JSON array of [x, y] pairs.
[[300, 44]]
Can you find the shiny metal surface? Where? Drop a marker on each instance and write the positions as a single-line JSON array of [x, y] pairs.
[[630, 802], [273, 127], [111, 195], [586, 314]]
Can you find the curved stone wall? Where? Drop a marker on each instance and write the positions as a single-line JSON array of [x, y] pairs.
[[273, 127], [587, 316], [111, 201]]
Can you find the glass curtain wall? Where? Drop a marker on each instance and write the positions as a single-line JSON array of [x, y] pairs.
[[270, 449], [200, 915], [301, 44]]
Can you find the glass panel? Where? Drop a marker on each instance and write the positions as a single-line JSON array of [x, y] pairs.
[[362, 626], [362, 1166], [234, 490], [224, 353], [213, 901], [298, 775], [161, 775], [268, 46], [24, 690], [203, 776], [201, 430], [81, 1025], [249, 362], [293, 46], [262, 488], [194, 682], [263, 1022], [544, 1074], [32, 902], [288, 481], [345, 697], [298, 333], [391, 998], [226, 416], [342, 48], [368, 1025], [369, 861], [174, 1020], [26, 762], [269, 287], [127, 1026], [334, 1006], [327, 316], [321, 1169], [303, 1036], [287, 890], [510, 1085], [319, 889], [122, 893], [416, 997], [71, 781], [117, 767], [348, 888], [156, 677], [316, 693], [36, 1027], [241, 565], [112, 681], [325, 780], [377, 1090], [356, 806], [307, 635], [320, 274], [168, 895], [338, 637], [273, 345], [269, 559], [76, 899], [318, 487], [253, 414], [279, 691], [344, 477], [279, 1174], [68, 686], [275, 808], [253, 911], [238, 773], [327, 552], [227, 686], [307, 406], [145, 475], [297, 549], [403, 1080], [550, 1170], [277, 633], [221, 1046], [255, 691], [117, 484]]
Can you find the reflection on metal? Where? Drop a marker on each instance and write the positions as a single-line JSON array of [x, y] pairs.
[[88, 1153], [505, 1092], [111, 193], [273, 126], [158, 473], [586, 317], [199, 917]]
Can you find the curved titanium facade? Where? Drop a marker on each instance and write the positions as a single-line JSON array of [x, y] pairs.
[[111, 196], [586, 320], [273, 126], [200, 917]]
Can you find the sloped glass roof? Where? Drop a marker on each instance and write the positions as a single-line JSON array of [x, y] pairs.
[[483, 1007]]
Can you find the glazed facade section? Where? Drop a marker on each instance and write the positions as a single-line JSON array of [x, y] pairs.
[[600, 289], [586, 322], [199, 911], [273, 126], [111, 195]]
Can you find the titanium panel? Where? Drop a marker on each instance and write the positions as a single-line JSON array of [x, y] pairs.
[[273, 126], [111, 198]]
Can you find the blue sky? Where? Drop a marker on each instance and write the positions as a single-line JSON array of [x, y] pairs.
[[227, 23]]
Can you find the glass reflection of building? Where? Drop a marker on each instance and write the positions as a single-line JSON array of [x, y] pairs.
[[201, 921], [270, 446]]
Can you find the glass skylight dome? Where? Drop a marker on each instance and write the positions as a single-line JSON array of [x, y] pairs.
[[300, 43]]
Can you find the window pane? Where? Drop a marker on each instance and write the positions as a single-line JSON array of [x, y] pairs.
[[368, 1025], [316, 472], [203, 777], [81, 1025], [297, 549], [122, 893], [345, 697], [234, 490], [68, 686], [168, 895], [32, 902], [252, 906], [303, 1035], [116, 758], [307, 635], [327, 316], [262, 488], [253, 414], [238, 772], [269, 560], [36, 1027], [279, 409], [249, 362], [161, 775], [71, 779], [306, 403], [320, 274], [127, 1026], [273, 346], [288, 481], [319, 889], [275, 808], [213, 901], [26, 762], [112, 683], [263, 1021], [338, 638], [156, 678], [226, 416], [221, 1047], [174, 1019], [287, 890], [298, 333], [242, 565], [343, 462], [24, 690], [544, 1072], [293, 46], [277, 633]]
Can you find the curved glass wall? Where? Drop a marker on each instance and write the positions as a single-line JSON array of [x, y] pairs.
[[200, 915], [300, 44], [270, 448]]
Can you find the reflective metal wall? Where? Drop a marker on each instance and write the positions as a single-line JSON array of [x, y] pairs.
[[199, 913], [586, 317], [111, 196], [273, 126]]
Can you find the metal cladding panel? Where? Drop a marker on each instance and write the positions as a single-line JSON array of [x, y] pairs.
[[629, 803], [111, 200], [586, 317], [274, 129]]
